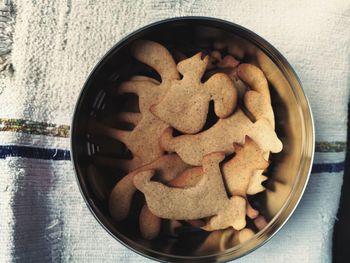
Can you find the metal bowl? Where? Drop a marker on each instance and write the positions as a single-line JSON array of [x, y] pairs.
[[288, 173]]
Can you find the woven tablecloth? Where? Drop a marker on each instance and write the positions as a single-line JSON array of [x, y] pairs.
[[48, 48]]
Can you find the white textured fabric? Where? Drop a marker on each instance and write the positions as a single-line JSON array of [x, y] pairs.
[[57, 43]]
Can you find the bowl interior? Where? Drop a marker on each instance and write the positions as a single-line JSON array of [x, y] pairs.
[[287, 174]]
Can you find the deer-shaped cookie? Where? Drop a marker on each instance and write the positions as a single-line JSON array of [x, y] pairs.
[[167, 167], [186, 103], [239, 170], [238, 173], [207, 198], [143, 139], [192, 148]]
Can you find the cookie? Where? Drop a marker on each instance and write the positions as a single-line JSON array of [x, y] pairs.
[[251, 212], [240, 86], [227, 65], [257, 102], [186, 103], [214, 59], [157, 57], [255, 184], [238, 171], [207, 198], [259, 107], [219, 137], [143, 139], [255, 79], [228, 62], [245, 234], [149, 224], [188, 178], [167, 167], [235, 211], [271, 71], [217, 62], [192, 176]]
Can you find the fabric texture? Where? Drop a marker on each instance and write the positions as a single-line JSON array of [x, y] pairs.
[[48, 48]]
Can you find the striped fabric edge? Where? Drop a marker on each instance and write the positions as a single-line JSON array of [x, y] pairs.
[[34, 127], [64, 155], [63, 131]]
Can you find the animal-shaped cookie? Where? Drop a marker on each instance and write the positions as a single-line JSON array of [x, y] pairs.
[[255, 79], [191, 177], [187, 178], [255, 184], [239, 170], [237, 174], [149, 223], [207, 198], [258, 102], [186, 103], [227, 65], [143, 139], [167, 167], [244, 235], [259, 107], [219, 137]]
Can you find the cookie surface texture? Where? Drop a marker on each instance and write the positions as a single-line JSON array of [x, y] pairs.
[[186, 103], [219, 137], [143, 139], [167, 167], [207, 198], [240, 169]]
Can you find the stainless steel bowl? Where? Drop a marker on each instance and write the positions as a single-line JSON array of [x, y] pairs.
[[288, 174]]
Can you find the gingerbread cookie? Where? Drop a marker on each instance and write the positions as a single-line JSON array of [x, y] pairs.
[[255, 79], [192, 148], [251, 212], [236, 210], [238, 171], [190, 97], [167, 167], [188, 178], [259, 107], [255, 184], [149, 224], [244, 235], [192, 176], [143, 139], [258, 103], [206, 198]]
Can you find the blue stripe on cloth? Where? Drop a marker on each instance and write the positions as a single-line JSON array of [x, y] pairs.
[[59, 154], [33, 152], [328, 167]]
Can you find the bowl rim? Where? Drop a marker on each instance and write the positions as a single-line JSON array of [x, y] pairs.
[[152, 254]]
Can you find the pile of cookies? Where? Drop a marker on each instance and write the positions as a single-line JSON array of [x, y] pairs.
[[187, 170]]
